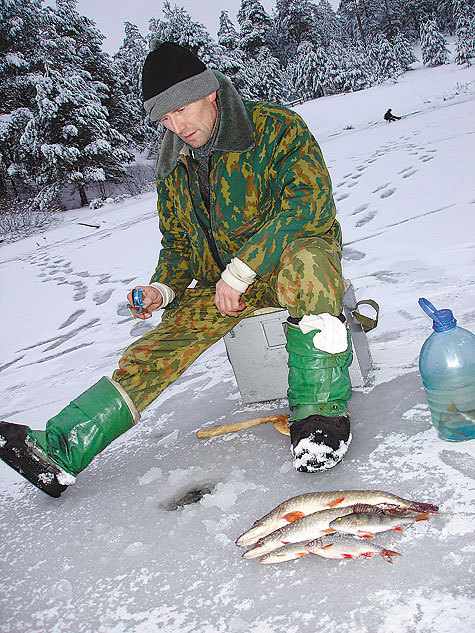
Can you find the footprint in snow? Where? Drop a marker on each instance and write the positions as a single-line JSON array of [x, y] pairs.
[[350, 254], [361, 208], [387, 193], [409, 173], [342, 196], [367, 218], [381, 187], [102, 297], [81, 290], [123, 310], [139, 329], [74, 317]]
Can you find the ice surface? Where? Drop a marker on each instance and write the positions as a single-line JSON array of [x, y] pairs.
[[120, 551]]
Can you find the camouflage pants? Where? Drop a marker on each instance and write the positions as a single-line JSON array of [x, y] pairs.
[[307, 280]]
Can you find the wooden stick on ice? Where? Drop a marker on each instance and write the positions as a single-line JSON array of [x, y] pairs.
[[222, 429]]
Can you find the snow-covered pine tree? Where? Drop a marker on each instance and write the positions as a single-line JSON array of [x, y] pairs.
[[306, 72], [130, 58], [16, 172], [21, 57], [359, 20], [228, 36], [230, 58], [178, 26], [129, 61], [21, 27], [348, 69], [264, 78], [81, 49], [270, 84], [70, 138], [334, 76], [464, 15], [386, 64], [55, 53], [295, 23], [389, 22], [328, 24], [403, 51], [433, 45], [359, 73], [362, 19], [256, 28]]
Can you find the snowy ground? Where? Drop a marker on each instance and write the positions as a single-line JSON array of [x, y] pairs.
[[115, 554]]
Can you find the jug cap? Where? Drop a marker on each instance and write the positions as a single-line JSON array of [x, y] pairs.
[[442, 320]]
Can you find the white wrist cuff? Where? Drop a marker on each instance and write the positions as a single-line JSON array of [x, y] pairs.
[[167, 293], [238, 275]]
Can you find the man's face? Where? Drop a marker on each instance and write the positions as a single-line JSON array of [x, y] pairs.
[[193, 123]]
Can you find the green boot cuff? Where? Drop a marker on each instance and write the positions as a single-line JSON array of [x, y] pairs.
[[86, 426], [319, 382]]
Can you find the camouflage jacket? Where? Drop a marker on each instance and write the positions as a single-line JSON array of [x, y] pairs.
[[268, 186]]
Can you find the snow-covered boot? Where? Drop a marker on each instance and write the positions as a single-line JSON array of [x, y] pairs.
[[319, 389], [17, 450], [51, 459]]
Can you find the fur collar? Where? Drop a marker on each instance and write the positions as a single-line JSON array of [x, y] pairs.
[[235, 133]]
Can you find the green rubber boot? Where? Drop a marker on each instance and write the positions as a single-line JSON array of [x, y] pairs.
[[51, 459], [319, 389]]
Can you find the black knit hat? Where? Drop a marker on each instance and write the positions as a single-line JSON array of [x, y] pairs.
[[172, 77]]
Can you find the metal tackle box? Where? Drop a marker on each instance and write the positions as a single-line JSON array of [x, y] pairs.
[[256, 350]]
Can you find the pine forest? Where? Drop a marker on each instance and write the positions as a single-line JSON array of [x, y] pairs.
[[71, 116]]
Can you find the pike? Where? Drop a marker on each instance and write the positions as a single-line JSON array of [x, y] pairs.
[[342, 547], [305, 529], [366, 525], [302, 505], [289, 552]]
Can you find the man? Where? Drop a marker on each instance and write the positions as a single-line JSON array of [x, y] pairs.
[[246, 211], [389, 116]]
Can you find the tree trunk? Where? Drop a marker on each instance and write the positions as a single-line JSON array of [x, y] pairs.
[[390, 24], [359, 23], [82, 195]]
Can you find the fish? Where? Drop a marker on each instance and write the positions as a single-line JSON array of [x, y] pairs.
[[469, 416], [307, 528], [302, 505], [367, 525], [342, 547], [288, 552]]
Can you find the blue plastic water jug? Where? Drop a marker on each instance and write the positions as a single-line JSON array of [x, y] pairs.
[[447, 366]]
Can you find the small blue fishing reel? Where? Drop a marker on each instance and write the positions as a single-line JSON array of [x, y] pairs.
[[137, 300]]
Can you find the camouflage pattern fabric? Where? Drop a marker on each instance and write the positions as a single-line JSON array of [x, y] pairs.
[[307, 279], [261, 199], [271, 206]]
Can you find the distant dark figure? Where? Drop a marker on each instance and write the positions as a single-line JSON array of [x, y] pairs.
[[389, 116]]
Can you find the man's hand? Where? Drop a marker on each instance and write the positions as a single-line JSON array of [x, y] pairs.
[[227, 301], [151, 300]]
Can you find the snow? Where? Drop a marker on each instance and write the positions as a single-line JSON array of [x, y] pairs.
[[308, 452], [121, 551]]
